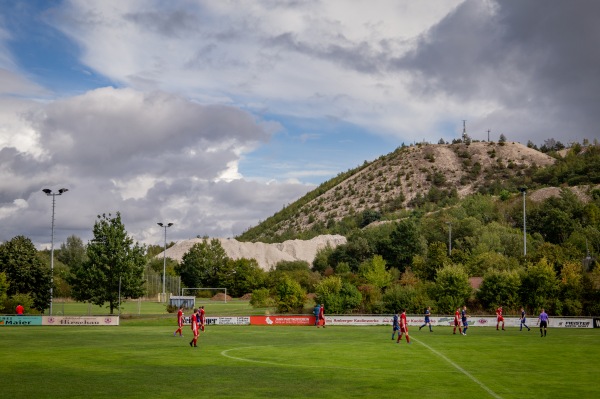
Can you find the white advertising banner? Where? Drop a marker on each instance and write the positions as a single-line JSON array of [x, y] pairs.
[[229, 321], [570, 323], [80, 320]]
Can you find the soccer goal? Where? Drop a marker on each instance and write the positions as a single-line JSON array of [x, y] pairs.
[[209, 293]]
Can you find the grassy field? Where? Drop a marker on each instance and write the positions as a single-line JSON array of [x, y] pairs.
[[143, 359]]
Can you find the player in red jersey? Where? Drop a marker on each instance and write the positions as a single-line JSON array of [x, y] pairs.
[[194, 323], [201, 311], [322, 315], [403, 328], [456, 320], [499, 318], [179, 322]]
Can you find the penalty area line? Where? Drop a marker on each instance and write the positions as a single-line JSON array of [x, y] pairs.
[[465, 372]]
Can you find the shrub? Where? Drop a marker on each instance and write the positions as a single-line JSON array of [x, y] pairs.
[[260, 298]]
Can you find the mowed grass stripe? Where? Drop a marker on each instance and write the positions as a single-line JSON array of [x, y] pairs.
[[141, 360]]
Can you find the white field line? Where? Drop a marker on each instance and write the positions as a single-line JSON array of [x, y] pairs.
[[226, 354], [465, 372]]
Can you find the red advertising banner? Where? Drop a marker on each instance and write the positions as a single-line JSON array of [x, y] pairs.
[[282, 320]]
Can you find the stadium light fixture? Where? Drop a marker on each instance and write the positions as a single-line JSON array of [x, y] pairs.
[[165, 226], [49, 193]]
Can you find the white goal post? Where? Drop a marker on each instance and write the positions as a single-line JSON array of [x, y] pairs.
[[212, 289]]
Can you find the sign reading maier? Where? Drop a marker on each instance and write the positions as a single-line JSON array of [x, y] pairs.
[[59, 321]]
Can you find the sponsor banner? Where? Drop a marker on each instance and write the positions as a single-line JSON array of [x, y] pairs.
[[228, 321], [80, 320], [20, 320], [359, 320], [284, 320], [571, 323], [596, 322]]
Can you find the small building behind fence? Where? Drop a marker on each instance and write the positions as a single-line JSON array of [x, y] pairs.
[[188, 302]]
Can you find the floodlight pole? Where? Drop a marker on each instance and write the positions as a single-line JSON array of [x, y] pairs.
[[449, 238], [524, 191], [164, 295], [49, 193]]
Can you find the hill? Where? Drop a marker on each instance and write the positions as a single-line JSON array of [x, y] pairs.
[[402, 180]]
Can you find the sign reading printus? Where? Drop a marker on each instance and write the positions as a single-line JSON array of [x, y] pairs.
[[80, 320]]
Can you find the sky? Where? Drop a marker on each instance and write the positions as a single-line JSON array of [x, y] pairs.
[[214, 115]]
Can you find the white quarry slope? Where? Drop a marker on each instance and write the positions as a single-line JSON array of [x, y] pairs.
[[267, 255]]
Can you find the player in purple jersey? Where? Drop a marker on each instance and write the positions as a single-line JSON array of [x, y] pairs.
[[396, 325], [543, 323]]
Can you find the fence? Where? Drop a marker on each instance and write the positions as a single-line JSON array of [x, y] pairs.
[[154, 286]]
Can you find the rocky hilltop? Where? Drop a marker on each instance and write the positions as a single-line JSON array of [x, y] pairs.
[[400, 179]]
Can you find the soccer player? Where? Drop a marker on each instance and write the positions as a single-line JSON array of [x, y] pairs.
[[403, 328], [543, 322], [202, 318], [427, 320], [456, 320], [179, 322], [523, 320], [322, 315], [194, 322], [499, 318], [396, 325], [20, 309], [316, 312], [464, 316]]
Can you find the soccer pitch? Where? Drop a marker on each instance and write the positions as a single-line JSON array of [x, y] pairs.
[[140, 360]]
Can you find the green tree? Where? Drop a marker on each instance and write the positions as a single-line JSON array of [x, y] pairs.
[[404, 242], [321, 261], [351, 297], [115, 266], [3, 292], [427, 267], [328, 293], [72, 253], [261, 298], [25, 271], [200, 265], [413, 298], [571, 288], [452, 287], [290, 296], [240, 276], [500, 288], [375, 273], [539, 286]]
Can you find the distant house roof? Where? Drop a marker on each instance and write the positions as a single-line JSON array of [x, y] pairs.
[[475, 282]]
